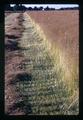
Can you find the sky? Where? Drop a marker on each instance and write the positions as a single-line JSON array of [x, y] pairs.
[[57, 6]]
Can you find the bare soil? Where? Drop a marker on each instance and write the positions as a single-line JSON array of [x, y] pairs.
[[7, 13], [13, 59]]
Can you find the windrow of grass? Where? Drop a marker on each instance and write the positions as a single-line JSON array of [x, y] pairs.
[[44, 89]]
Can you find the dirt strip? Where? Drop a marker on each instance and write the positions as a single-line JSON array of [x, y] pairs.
[[13, 59], [7, 13]]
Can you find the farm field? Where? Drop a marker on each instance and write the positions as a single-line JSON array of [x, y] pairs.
[[41, 63], [7, 13], [61, 28]]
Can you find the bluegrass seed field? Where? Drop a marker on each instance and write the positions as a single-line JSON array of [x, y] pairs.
[[37, 78]]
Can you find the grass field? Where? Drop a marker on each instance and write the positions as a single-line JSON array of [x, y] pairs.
[[48, 81], [61, 29]]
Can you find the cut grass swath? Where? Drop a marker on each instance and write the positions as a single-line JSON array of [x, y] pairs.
[[52, 86]]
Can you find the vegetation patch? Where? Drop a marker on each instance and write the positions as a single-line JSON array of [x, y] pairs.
[[49, 91]]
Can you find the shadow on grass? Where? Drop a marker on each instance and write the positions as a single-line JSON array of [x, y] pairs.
[[21, 103], [11, 36], [21, 106], [22, 76], [12, 44]]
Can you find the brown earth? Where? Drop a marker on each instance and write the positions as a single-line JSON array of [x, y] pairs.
[[13, 59], [61, 28], [7, 13]]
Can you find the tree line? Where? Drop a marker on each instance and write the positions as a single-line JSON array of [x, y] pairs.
[[23, 8]]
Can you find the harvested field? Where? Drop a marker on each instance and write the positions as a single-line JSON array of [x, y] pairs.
[[38, 80], [61, 28], [7, 13]]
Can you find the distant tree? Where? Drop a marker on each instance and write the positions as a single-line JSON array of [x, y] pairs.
[[52, 8], [19, 7], [16, 6], [8, 7], [47, 8], [40, 8], [74, 8], [35, 8], [29, 8], [62, 8]]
